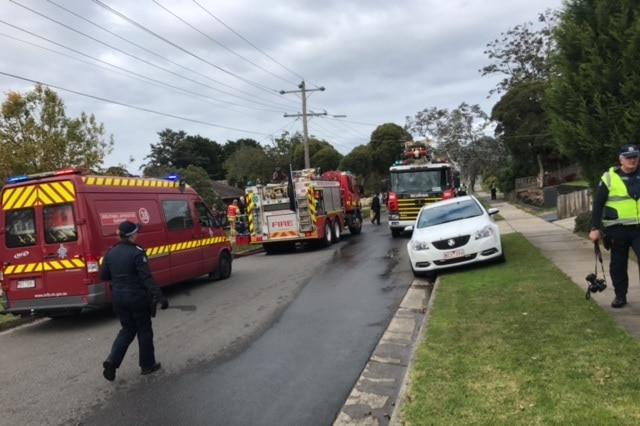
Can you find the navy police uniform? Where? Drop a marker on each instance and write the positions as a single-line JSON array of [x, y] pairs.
[[616, 214], [132, 285]]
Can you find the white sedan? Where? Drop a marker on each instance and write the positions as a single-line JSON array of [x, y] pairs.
[[454, 232]]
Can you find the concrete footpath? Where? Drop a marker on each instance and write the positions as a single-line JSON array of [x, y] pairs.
[[377, 396]]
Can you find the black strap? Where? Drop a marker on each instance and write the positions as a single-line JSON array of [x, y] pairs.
[[598, 253]]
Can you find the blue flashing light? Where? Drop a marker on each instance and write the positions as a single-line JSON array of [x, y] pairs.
[[16, 179], [34, 176], [173, 177]]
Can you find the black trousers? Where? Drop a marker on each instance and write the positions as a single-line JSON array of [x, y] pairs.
[[623, 239], [133, 311], [376, 217]]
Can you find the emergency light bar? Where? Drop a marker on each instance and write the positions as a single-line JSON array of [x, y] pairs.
[[35, 176]]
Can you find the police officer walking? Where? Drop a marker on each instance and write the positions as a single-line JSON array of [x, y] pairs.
[[615, 216], [132, 289]]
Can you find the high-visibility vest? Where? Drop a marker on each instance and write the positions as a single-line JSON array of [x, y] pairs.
[[232, 211], [628, 209]]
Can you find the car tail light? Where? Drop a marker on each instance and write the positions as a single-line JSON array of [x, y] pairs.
[[92, 265]]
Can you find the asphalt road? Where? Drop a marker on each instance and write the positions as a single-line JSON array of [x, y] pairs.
[[281, 342]]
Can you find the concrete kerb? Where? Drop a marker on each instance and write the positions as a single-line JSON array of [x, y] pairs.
[[373, 399]]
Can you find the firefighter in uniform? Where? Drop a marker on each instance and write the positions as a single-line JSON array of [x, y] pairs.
[[232, 211], [615, 216], [132, 289]]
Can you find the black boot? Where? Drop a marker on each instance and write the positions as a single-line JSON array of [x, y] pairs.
[[619, 302]]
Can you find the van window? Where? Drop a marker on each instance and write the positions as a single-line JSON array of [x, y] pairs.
[[59, 224], [177, 214], [204, 215], [21, 228]]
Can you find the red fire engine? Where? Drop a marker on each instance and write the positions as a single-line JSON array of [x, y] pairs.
[[307, 208]]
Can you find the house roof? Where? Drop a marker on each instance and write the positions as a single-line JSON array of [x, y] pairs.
[[225, 191]]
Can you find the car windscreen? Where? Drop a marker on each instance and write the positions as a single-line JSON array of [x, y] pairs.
[[439, 214]]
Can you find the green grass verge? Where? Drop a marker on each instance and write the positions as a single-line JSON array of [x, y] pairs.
[[518, 344]]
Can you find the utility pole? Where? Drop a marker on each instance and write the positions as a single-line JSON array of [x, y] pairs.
[[303, 90]]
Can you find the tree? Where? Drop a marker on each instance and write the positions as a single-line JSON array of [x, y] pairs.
[[36, 135], [522, 54], [326, 158], [482, 157], [523, 125], [248, 163], [282, 151], [594, 98], [201, 152], [163, 153], [321, 154], [198, 179], [119, 170], [180, 150], [386, 144], [450, 130], [232, 147], [359, 161]]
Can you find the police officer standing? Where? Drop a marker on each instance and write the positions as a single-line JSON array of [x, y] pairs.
[[616, 216], [132, 289]]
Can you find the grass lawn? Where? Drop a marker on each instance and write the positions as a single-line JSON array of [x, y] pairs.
[[518, 344]]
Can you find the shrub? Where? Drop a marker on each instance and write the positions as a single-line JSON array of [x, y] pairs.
[[583, 222], [552, 181], [570, 177]]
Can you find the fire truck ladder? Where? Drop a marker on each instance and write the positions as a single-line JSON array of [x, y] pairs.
[[305, 215]]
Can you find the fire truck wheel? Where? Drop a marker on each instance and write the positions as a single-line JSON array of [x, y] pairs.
[[356, 225], [327, 240], [337, 229], [224, 267]]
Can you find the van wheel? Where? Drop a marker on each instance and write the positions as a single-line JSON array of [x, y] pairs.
[[337, 229], [224, 267]]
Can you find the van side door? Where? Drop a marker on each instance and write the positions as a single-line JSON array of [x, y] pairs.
[[183, 236], [210, 238]]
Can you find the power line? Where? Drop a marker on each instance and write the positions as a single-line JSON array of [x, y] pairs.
[[216, 42], [128, 105], [147, 30], [248, 42], [131, 56], [147, 50]]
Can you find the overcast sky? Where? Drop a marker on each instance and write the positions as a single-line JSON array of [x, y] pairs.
[[215, 68]]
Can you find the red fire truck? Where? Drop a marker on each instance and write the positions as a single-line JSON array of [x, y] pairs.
[[307, 208], [56, 226], [416, 180]]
